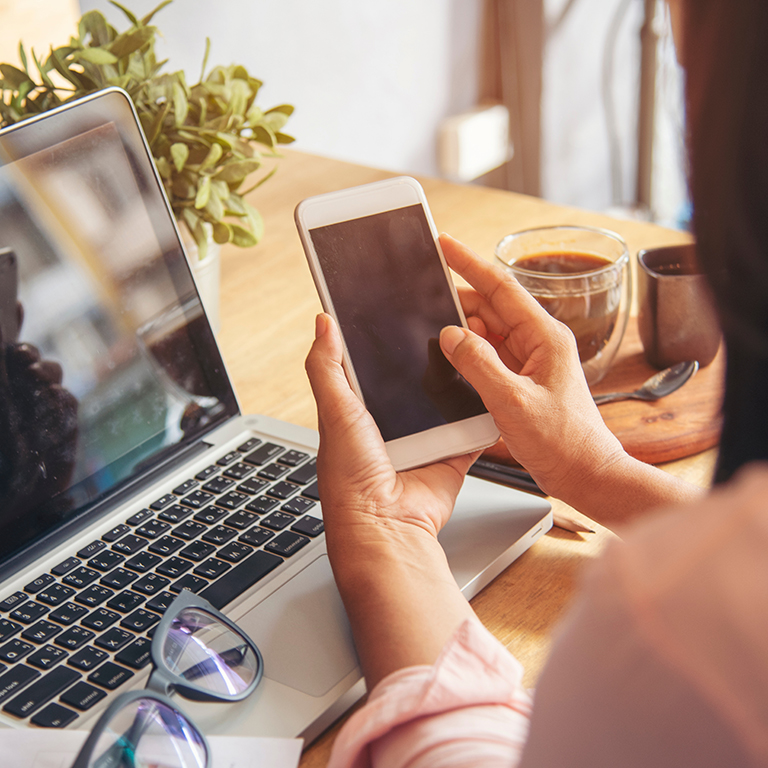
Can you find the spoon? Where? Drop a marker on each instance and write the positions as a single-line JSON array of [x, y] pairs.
[[663, 383]]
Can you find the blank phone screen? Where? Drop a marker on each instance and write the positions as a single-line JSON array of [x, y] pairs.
[[391, 298]]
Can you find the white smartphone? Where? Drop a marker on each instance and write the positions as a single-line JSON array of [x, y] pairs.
[[377, 264]]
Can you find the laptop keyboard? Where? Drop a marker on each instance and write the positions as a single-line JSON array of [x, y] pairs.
[[84, 628]]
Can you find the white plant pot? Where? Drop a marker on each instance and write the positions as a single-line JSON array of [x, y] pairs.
[[207, 274]]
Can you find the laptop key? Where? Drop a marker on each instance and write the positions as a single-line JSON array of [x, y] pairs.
[[264, 454], [176, 513], [262, 505], [190, 582], [8, 629], [13, 601], [210, 515], [110, 676], [240, 520], [204, 474], [248, 445], [160, 602], [119, 578], [115, 533], [41, 632], [218, 535], [298, 505], [65, 566], [238, 471], [163, 502], [74, 637], [106, 561], [136, 655], [41, 582], [130, 544], [68, 614], [174, 567], [114, 639], [140, 620], [304, 473], [126, 601], [151, 584], [309, 526], [312, 492], [274, 471], [197, 551], [14, 650], [232, 500], [94, 595], [42, 691], [240, 578], [143, 562], [188, 530], [87, 658], [293, 458], [197, 499], [277, 521], [218, 485], [252, 486], [91, 549], [81, 577], [54, 716], [153, 528], [256, 536], [82, 696], [287, 543], [234, 552], [166, 545], [283, 490], [56, 594], [228, 458], [139, 517], [186, 487], [29, 613], [100, 619], [15, 678], [212, 568], [46, 657]]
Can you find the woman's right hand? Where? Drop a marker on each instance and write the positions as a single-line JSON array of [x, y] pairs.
[[525, 366]]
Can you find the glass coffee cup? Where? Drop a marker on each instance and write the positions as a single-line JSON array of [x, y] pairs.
[[581, 276]]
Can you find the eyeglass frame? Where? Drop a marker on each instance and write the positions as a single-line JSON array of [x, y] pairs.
[[162, 682]]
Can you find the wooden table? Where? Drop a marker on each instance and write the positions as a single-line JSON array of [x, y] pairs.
[[268, 309]]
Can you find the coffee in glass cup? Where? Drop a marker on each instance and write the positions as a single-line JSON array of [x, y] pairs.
[[581, 276]]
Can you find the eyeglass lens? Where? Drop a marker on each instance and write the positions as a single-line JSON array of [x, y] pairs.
[[148, 734], [205, 652]]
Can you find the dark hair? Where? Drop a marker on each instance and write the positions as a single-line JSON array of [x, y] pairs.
[[726, 60]]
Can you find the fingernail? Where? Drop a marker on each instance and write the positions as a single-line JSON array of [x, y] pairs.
[[320, 325], [450, 338]]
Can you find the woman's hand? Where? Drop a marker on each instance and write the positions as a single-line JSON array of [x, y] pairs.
[[526, 367], [381, 526], [358, 485]]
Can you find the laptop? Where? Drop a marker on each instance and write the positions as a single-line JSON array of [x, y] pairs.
[[128, 472]]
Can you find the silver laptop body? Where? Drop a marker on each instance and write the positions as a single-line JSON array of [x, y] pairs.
[[138, 476]]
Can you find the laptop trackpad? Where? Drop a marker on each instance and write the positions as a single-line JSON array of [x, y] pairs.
[[303, 632]]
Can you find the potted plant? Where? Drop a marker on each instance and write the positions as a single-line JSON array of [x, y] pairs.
[[207, 139]]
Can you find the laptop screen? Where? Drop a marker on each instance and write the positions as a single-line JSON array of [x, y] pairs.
[[107, 362]]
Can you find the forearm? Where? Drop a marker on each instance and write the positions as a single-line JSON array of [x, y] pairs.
[[622, 489], [401, 599]]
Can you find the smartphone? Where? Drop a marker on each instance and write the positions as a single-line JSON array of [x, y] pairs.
[[9, 287], [379, 271]]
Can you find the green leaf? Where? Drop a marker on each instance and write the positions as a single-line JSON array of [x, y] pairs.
[[96, 56], [242, 237], [150, 15], [215, 207], [43, 71], [212, 158], [13, 77], [203, 192], [237, 171], [286, 109], [284, 138], [179, 154], [263, 135], [267, 177], [128, 13], [255, 221], [275, 121], [131, 41], [221, 233], [23, 57], [201, 238], [94, 23], [205, 58], [180, 103]]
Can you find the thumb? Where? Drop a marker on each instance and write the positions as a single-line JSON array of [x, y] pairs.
[[479, 363]]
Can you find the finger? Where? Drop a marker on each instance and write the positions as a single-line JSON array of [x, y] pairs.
[[479, 363]]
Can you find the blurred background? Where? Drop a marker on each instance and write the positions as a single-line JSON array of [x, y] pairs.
[[537, 96]]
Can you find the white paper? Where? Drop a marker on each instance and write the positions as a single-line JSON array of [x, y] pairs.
[[38, 748]]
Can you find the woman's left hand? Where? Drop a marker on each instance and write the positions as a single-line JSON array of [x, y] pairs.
[[361, 492]]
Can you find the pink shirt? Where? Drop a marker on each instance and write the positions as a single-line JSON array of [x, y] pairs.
[[662, 662]]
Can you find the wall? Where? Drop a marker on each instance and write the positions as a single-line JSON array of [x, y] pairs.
[[370, 80]]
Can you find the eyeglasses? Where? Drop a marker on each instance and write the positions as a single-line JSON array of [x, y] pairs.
[[196, 652]]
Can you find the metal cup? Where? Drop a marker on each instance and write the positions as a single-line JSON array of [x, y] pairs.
[[676, 312]]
